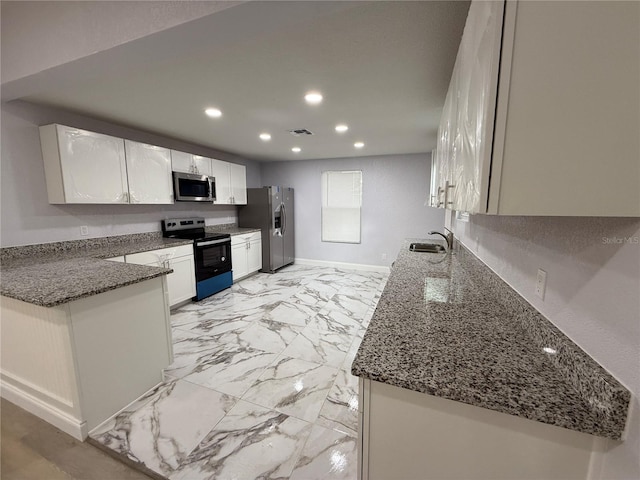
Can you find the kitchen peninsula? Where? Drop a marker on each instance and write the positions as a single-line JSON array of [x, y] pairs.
[[461, 378], [83, 336]]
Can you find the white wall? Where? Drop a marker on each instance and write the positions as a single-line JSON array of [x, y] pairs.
[[592, 295], [26, 216], [394, 191]]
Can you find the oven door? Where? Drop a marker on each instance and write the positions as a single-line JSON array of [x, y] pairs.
[[213, 257]]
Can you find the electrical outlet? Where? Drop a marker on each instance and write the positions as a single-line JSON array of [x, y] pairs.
[[384, 257], [84, 230], [541, 283]]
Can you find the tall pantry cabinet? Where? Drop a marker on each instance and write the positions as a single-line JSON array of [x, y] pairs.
[[542, 114]]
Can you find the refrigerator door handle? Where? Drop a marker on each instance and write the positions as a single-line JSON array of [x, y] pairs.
[[284, 219]]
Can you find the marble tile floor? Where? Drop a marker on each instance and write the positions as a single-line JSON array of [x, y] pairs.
[[260, 386]]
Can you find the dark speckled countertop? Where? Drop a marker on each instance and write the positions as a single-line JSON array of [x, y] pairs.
[[230, 229], [52, 274], [447, 326]]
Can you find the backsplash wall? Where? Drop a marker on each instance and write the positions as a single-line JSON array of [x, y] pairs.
[[27, 217], [593, 280]]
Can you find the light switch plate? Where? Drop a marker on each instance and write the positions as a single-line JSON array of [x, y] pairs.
[[84, 230]]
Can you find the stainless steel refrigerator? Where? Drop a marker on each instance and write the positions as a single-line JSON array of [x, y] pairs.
[[271, 210]]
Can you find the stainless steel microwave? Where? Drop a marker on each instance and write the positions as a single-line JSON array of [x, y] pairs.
[[189, 187]]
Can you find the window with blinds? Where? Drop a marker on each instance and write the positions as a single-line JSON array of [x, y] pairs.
[[341, 202]]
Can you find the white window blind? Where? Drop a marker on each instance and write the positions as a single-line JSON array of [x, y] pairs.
[[341, 202]]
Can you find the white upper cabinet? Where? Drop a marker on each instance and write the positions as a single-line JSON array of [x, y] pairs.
[[82, 166], [238, 179], [231, 183], [220, 170], [87, 167], [541, 116], [189, 163], [149, 173]]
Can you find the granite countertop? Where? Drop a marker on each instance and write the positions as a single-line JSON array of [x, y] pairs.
[[231, 230], [52, 274], [447, 326]]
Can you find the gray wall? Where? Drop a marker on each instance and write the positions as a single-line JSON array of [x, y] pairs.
[[27, 216], [46, 34], [395, 188], [593, 280]]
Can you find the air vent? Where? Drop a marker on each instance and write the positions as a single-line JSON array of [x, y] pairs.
[[299, 132]]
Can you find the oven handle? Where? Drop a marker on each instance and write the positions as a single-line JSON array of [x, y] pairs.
[[212, 242]]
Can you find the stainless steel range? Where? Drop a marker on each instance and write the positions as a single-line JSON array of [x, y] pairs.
[[212, 253]]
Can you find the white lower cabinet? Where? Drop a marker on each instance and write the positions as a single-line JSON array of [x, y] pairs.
[[75, 365], [246, 254], [407, 434], [181, 283]]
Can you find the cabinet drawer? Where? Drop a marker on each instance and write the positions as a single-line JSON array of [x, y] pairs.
[[253, 237], [245, 237], [155, 257]]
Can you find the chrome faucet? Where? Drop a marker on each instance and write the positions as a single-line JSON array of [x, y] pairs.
[[448, 237]]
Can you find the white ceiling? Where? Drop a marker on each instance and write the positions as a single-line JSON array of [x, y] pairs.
[[382, 67]]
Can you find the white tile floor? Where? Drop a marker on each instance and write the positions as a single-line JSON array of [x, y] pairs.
[[261, 384]]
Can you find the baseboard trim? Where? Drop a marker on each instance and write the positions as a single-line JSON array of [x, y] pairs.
[[346, 266], [46, 412]]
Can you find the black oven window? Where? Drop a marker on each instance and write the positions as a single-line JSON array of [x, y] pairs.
[[215, 256]]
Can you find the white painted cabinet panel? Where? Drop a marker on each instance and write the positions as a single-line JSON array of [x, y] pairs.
[[149, 173], [181, 283], [559, 121], [238, 179], [83, 166], [181, 162], [231, 183], [75, 365], [189, 163], [239, 261], [254, 256], [412, 435], [246, 254], [220, 170]]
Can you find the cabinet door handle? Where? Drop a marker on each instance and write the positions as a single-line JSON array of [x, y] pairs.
[[446, 196]]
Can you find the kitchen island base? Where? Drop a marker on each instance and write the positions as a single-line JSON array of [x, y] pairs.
[[411, 435], [76, 364]]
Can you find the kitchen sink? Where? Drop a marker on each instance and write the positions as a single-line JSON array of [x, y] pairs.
[[427, 248]]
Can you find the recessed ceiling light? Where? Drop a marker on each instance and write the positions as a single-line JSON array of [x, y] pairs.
[[265, 136], [213, 112], [358, 144], [341, 128], [313, 98], [296, 149]]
